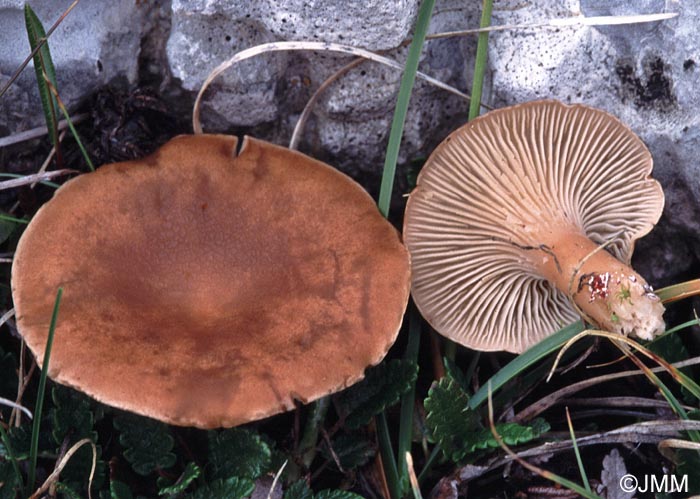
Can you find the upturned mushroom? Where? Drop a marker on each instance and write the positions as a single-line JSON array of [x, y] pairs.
[[525, 219], [210, 288]]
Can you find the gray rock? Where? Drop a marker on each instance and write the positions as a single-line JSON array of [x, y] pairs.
[[205, 33], [97, 42], [646, 74], [352, 120]]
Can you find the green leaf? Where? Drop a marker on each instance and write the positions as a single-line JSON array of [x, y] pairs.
[[456, 374], [688, 465], [670, 347], [298, 490], [43, 63], [9, 485], [119, 490], [73, 418], [6, 230], [20, 441], [337, 494], [382, 388], [191, 472], [450, 423], [147, 443], [67, 491], [351, 450], [71, 415], [231, 488], [238, 452], [511, 433]]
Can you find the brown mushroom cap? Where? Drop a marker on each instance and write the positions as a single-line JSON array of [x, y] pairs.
[[210, 289], [511, 205]]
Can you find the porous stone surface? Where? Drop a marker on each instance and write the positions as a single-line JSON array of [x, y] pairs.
[[352, 119], [646, 74], [96, 43]]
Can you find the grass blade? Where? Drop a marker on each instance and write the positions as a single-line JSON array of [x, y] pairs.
[[482, 47], [388, 461], [34, 449], [581, 469], [531, 467], [10, 218], [679, 291], [43, 65], [387, 185], [73, 131], [525, 360], [408, 400], [407, 80]]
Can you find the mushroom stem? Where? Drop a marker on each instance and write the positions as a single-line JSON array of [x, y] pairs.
[[607, 291]]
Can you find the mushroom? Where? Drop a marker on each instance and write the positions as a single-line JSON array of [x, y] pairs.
[[209, 288], [506, 224]]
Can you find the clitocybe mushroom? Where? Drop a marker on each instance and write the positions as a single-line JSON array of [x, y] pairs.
[[506, 220], [208, 288]]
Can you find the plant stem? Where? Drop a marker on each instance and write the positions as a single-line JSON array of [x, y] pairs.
[[408, 400], [387, 453], [482, 47], [525, 360], [407, 80], [34, 449], [307, 445]]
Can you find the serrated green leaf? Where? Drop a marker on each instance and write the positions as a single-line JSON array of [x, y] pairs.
[[511, 433], [298, 490], [8, 481], [67, 492], [351, 450], [147, 443], [72, 415], [337, 494], [72, 418], [191, 472], [539, 426], [238, 452], [120, 490], [456, 374], [20, 441], [382, 388], [231, 488], [450, 423], [43, 63]]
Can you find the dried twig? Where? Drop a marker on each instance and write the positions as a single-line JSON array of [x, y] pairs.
[[34, 178]]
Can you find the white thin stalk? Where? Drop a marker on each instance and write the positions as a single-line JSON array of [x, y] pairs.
[[295, 46]]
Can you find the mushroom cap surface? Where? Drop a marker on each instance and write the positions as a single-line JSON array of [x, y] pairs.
[[208, 288], [497, 187]]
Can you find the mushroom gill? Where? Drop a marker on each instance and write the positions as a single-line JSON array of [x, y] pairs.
[[507, 220]]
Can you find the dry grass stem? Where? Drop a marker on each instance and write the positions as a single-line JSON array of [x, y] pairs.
[[276, 479], [53, 477], [306, 112], [35, 133], [34, 178], [548, 401], [308, 46], [9, 403]]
